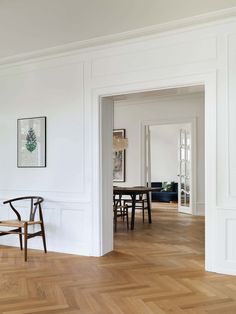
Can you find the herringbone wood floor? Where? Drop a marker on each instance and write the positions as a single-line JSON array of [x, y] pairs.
[[156, 268]]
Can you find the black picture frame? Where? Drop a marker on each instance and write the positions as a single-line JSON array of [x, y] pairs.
[[31, 142], [119, 159]]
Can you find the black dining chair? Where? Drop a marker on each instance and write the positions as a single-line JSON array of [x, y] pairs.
[[120, 210], [140, 202]]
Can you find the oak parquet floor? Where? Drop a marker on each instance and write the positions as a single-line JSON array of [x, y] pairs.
[[156, 268]]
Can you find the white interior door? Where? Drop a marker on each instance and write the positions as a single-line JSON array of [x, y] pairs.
[[185, 176], [148, 155]]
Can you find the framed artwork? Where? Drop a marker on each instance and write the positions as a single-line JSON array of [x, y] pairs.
[[119, 159], [31, 142]]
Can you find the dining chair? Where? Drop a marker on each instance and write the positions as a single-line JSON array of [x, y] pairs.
[[32, 205], [140, 202], [120, 210]]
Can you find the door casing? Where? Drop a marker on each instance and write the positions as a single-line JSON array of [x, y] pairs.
[[101, 234]]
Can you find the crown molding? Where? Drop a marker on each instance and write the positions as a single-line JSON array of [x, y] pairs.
[[195, 22]]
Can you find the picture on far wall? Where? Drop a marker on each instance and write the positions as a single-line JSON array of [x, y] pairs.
[[31, 142], [118, 157]]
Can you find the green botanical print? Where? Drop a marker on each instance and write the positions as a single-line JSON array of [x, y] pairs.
[[31, 140]]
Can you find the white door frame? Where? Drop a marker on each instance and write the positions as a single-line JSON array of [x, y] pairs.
[[158, 122], [181, 208], [100, 233]]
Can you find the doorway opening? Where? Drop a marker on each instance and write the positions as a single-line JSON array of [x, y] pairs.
[[172, 164], [109, 102], [179, 110], [179, 113]]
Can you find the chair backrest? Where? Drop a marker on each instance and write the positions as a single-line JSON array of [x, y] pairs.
[[140, 196], [35, 203]]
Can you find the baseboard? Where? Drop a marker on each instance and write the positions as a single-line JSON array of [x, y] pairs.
[[200, 209]]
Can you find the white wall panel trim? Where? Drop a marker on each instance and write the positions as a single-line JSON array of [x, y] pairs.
[[231, 41], [57, 197], [157, 57], [207, 79]]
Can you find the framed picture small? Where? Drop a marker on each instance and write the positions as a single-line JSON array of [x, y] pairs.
[[31, 142], [119, 159]]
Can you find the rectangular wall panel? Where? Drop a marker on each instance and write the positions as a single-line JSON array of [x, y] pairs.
[[188, 52], [225, 259], [230, 239]]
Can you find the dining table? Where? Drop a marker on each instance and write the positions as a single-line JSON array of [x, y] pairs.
[[133, 192]]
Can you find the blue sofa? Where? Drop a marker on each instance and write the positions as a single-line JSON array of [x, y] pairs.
[[164, 196]]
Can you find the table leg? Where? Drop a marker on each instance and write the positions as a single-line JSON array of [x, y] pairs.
[[149, 208], [133, 197]]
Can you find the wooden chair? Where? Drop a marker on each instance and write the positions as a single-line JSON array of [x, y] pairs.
[[120, 210], [21, 226], [140, 203]]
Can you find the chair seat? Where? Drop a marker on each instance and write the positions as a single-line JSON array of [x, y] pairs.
[[17, 223]]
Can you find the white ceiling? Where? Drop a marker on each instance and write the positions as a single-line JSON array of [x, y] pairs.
[[170, 92], [30, 25]]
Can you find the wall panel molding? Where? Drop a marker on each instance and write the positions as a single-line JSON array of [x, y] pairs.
[[231, 116], [49, 196], [64, 225], [226, 256], [161, 56]]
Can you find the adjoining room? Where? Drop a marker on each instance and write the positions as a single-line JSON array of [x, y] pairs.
[[155, 158]]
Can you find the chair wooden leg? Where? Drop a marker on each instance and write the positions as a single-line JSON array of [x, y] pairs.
[[25, 239], [127, 217], [20, 238], [44, 238], [149, 208], [115, 219]]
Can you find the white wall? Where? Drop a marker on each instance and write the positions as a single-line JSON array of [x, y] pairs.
[[57, 93], [164, 152], [67, 88], [130, 113]]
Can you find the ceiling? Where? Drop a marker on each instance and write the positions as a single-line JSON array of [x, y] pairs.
[[31, 25], [168, 92]]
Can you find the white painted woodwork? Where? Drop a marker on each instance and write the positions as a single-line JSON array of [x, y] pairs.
[[185, 177], [148, 163], [106, 181], [67, 89]]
